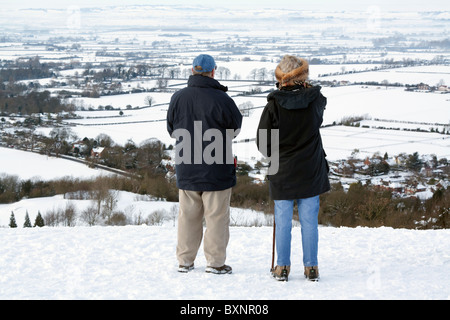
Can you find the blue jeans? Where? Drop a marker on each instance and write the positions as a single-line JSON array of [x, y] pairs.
[[308, 212]]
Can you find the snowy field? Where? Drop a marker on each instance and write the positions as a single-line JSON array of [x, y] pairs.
[[28, 165], [392, 108], [138, 262], [408, 75]]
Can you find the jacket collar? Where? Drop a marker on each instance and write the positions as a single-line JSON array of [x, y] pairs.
[[205, 82]]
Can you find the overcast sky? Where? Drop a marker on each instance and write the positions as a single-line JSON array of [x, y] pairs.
[[385, 5]]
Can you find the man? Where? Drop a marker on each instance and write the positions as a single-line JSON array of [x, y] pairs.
[[296, 111], [204, 120]]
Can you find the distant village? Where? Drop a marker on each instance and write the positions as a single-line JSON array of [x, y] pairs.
[[403, 175]]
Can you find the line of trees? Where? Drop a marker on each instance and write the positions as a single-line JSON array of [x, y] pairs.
[[361, 205], [27, 69], [103, 210], [33, 102], [38, 222], [70, 217]]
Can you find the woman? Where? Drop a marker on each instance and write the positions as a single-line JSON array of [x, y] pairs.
[[296, 110]]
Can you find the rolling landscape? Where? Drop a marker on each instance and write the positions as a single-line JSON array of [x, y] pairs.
[[84, 92]]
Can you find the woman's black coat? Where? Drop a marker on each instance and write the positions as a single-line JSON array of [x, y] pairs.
[[298, 114]]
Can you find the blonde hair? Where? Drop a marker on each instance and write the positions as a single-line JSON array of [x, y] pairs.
[[289, 63]]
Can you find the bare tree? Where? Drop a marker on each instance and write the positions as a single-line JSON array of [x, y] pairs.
[[253, 74], [156, 218], [161, 83], [110, 203], [90, 215], [69, 215], [263, 74], [51, 218], [223, 73], [149, 100], [173, 213], [245, 108], [99, 194]]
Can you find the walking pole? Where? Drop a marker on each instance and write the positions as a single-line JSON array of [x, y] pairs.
[[273, 244]]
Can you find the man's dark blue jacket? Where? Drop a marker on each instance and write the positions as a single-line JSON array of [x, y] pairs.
[[204, 102]]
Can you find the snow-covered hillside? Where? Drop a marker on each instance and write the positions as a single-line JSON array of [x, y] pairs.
[[138, 262], [28, 165]]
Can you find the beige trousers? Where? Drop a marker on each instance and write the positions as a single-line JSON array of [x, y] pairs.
[[214, 206]]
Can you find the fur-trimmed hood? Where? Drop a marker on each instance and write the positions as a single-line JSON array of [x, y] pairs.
[[292, 69]]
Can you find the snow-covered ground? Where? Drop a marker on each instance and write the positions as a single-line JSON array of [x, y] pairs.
[[138, 262]]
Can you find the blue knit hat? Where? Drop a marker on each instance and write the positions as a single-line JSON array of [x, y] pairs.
[[204, 63]]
